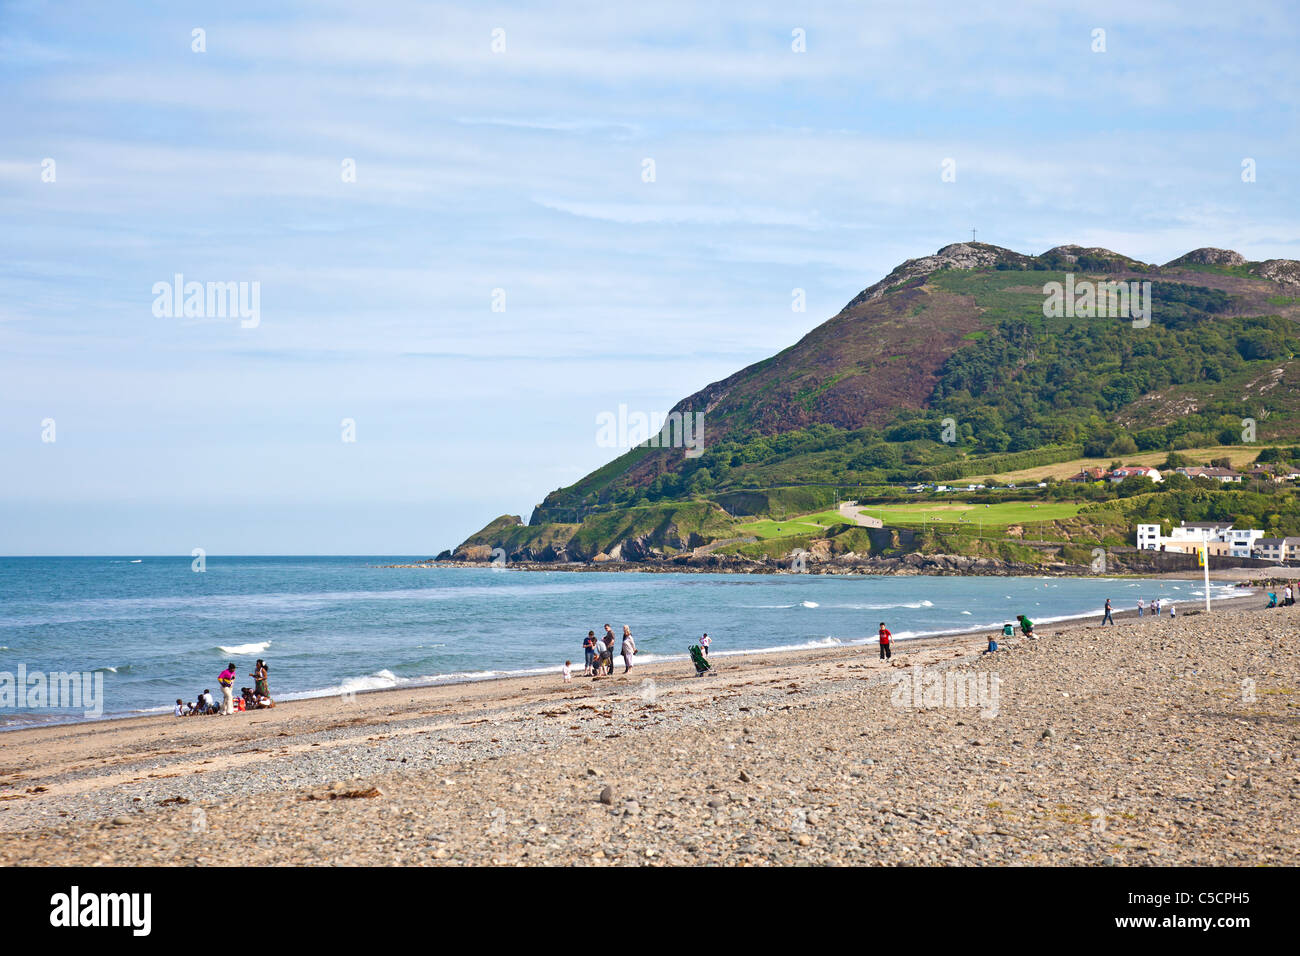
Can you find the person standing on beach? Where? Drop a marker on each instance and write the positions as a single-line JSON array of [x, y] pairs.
[[885, 639], [1107, 619], [1172, 609], [1139, 607], [259, 679], [589, 653], [567, 671], [608, 654], [227, 681], [705, 641], [629, 648]]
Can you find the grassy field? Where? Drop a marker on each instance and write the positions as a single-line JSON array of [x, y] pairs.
[[999, 515], [992, 516], [800, 525], [1239, 455]]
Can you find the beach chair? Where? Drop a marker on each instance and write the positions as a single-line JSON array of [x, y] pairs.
[[699, 660]]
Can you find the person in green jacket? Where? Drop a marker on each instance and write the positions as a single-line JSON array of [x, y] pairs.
[[1026, 626]]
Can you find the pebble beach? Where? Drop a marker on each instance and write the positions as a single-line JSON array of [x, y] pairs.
[[1150, 742]]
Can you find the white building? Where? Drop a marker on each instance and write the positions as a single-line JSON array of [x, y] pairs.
[[1243, 541], [1134, 471], [1222, 537]]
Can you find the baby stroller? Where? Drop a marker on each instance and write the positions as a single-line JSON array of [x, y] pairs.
[[699, 660]]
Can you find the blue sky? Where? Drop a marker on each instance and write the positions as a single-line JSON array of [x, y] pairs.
[[522, 170]]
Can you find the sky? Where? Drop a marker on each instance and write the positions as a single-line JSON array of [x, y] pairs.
[[474, 228]]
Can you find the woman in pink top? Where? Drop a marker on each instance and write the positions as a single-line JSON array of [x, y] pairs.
[[227, 681]]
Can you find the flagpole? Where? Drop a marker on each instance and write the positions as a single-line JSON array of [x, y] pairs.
[[1205, 561]]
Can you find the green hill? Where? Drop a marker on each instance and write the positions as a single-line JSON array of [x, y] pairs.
[[949, 368]]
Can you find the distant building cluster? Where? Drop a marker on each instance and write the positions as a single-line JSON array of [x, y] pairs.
[[1117, 475], [1214, 473], [1220, 538]]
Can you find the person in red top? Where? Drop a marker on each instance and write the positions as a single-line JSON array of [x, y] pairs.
[[884, 642]]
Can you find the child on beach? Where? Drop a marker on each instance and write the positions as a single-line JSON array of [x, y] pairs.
[[567, 671], [589, 653], [180, 708], [885, 637]]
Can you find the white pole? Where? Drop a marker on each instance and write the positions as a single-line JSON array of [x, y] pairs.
[[1205, 560]]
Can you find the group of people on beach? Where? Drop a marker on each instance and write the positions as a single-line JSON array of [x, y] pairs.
[[1009, 630], [598, 653], [250, 698], [1155, 606], [1288, 598]]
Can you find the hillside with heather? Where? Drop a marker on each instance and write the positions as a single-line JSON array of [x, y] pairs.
[[949, 369]]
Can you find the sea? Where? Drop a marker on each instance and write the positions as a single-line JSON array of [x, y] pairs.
[[153, 629]]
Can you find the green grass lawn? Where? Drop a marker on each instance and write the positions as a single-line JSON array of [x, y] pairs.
[[997, 515], [826, 518], [779, 529], [797, 525]]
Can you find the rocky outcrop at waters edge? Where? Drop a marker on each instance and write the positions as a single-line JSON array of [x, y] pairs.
[[914, 563]]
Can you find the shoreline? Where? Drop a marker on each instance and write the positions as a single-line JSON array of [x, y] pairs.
[[776, 758], [458, 680], [658, 667]]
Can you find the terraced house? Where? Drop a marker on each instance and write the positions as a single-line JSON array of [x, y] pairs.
[[1278, 549]]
